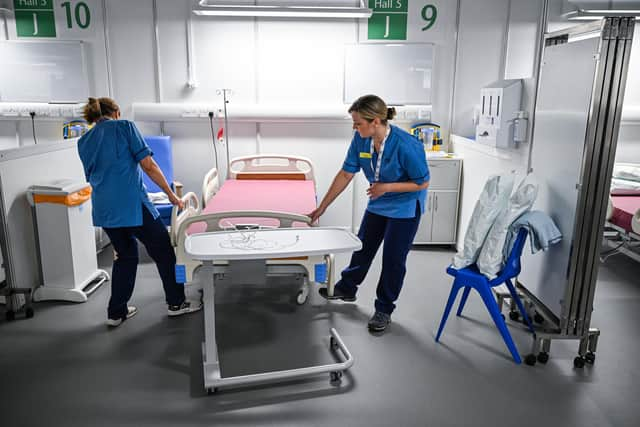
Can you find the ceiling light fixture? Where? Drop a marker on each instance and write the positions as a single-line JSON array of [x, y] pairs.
[[214, 8]]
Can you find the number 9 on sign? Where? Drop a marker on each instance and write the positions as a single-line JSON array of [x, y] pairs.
[[429, 14]]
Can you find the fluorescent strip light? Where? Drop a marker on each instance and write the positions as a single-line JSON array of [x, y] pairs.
[[592, 15], [208, 9]]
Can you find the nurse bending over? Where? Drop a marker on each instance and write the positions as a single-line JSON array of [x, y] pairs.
[[113, 154], [395, 164]]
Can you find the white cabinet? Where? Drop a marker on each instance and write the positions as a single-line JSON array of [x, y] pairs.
[[438, 224]]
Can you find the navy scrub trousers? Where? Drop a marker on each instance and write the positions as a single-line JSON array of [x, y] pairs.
[[153, 235], [398, 234]]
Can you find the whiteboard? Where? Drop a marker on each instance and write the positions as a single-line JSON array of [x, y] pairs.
[[398, 73], [43, 71]]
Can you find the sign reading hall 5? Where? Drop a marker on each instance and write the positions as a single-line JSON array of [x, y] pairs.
[[37, 18], [390, 18]]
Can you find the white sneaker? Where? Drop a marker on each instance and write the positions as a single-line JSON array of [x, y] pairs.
[[131, 311], [184, 308]]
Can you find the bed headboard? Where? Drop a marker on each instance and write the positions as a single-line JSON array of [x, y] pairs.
[[271, 166]]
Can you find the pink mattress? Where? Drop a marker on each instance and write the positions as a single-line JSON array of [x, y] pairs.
[[624, 207], [297, 197]]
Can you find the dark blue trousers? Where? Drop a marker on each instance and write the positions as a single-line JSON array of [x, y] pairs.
[[153, 235], [398, 234]]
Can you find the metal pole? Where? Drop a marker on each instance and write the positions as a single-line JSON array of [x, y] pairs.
[[226, 129], [505, 43], [107, 50], [542, 29], [455, 67], [6, 24], [156, 49], [191, 66]]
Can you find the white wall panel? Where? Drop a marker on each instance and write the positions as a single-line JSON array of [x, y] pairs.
[[480, 49], [297, 65], [132, 54], [172, 18], [8, 134], [225, 57]]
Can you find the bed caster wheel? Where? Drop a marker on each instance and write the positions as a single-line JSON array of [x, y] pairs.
[[10, 316], [590, 358], [543, 357], [29, 313], [578, 362], [514, 315], [530, 359], [301, 298], [538, 318], [335, 377], [212, 390]]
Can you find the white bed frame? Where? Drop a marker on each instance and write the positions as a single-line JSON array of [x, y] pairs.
[[269, 166]]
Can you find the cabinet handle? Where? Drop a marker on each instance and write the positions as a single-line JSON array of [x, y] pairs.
[[436, 197]]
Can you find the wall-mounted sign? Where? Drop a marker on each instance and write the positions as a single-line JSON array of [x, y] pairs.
[[413, 21], [55, 18], [35, 18]]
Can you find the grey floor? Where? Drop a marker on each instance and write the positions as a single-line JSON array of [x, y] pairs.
[[65, 368]]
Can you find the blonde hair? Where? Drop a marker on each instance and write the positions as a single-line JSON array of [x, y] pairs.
[[371, 106], [97, 108]]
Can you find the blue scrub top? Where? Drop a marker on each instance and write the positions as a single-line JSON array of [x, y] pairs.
[[403, 160], [110, 153]]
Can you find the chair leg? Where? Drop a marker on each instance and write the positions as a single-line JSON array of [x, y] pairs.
[[492, 306], [452, 298], [463, 300], [516, 298]]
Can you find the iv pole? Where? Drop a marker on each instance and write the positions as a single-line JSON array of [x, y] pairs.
[[224, 92]]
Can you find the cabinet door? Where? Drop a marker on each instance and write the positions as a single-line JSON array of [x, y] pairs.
[[424, 229], [444, 216]]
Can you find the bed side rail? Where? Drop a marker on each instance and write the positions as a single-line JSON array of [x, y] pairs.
[[213, 220], [210, 186], [191, 208]]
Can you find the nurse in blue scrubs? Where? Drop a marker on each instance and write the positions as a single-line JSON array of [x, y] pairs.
[[114, 154], [395, 164]]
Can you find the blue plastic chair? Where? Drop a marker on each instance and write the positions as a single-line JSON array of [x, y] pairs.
[[470, 277], [161, 147]]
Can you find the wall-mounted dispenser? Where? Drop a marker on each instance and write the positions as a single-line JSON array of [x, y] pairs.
[[499, 106]]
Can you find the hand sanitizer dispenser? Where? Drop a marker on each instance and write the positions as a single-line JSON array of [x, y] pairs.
[[499, 104]]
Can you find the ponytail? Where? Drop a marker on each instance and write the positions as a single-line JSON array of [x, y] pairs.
[[98, 108]]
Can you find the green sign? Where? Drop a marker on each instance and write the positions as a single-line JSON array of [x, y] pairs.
[[389, 5], [388, 26], [35, 18], [389, 19]]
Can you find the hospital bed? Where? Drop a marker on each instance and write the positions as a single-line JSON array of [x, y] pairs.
[[225, 235], [622, 226], [261, 191]]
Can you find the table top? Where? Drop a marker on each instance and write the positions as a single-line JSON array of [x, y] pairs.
[[271, 243]]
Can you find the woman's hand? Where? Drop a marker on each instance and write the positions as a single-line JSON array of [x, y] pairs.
[[377, 189], [316, 213], [175, 200]]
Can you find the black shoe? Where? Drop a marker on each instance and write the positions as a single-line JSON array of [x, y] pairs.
[[379, 321], [337, 295]]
